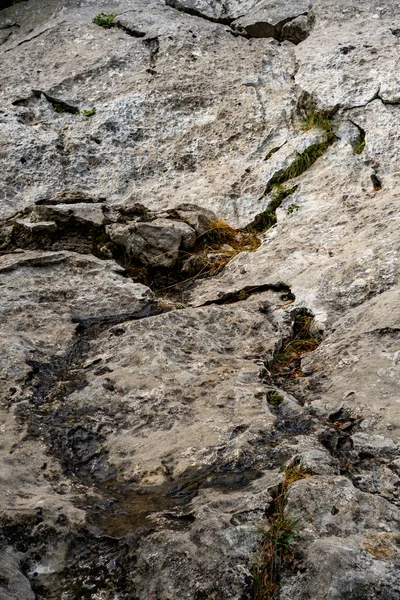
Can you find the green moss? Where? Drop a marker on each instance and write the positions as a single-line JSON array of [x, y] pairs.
[[291, 208], [105, 20], [88, 113], [60, 107], [320, 120], [303, 162], [275, 398], [267, 218], [359, 147]]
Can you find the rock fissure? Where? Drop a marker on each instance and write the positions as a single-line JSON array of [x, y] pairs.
[[25, 41], [246, 292], [191, 10]]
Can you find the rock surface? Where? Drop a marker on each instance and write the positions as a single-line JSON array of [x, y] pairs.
[[146, 441]]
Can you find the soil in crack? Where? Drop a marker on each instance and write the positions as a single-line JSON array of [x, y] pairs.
[[286, 361]]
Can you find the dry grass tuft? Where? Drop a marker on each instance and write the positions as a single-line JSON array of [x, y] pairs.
[[277, 548], [221, 233], [286, 361]]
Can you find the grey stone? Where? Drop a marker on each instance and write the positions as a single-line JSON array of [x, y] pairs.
[[197, 217], [37, 226], [297, 30], [375, 444], [267, 18], [158, 143], [14, 585], [332, 509], [139, 450], [156, 243]]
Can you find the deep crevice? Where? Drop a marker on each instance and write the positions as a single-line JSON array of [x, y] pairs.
[[359, 145], [267, 218], [28, 39], [129, 30], [197, 13], [248, 291]]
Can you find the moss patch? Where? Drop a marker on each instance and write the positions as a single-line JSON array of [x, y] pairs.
[[267, 218], [105, 20]]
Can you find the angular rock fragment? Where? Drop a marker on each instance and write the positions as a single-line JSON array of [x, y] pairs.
[[267, 18], [297, 30], [197, 217], [156, 243]]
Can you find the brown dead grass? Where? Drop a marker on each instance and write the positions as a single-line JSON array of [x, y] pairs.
[[287, 360], [277, 548]]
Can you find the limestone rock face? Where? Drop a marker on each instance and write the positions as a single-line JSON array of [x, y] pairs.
[[172, 406]]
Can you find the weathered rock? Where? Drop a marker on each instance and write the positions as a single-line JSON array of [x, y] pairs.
[[139, 451], [296, 31], [267, 18], [156, 243], [37, 226], [199, 218], [358, 566], [13, 583], [187, 134], [217, 10], [69, 289], [92, 214]]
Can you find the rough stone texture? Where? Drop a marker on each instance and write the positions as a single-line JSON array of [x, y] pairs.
[[349, 535], [156, 243], [266, 19], [192, 129], [141, 443]]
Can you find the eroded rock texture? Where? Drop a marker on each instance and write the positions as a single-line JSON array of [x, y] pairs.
[[148, 435]]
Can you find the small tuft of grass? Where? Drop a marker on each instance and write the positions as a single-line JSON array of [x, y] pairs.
[[287, 360], [267, 218], [218, 234], [276, 550], [105, 20], [88, 113], [274, 398], [292, 208], [221, 233], [295, 473], [243, 295], [215, 248], [278, 541], [320, 120], [304, 160], [359, 147]]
